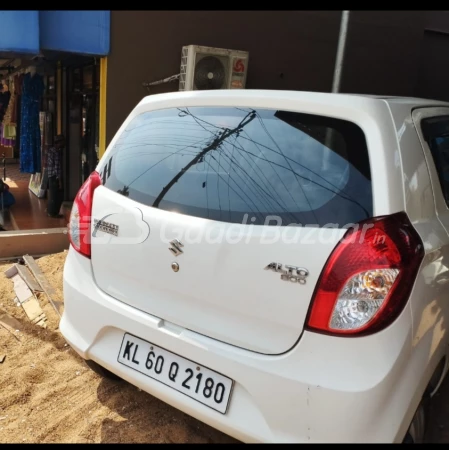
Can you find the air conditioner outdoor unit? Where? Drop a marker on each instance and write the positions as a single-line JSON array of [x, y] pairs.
[[205, 68]]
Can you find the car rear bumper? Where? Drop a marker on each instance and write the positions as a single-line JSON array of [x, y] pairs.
[[325, 389]]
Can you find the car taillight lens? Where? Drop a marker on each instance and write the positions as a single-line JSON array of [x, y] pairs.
[[80, 217], [368, 278]]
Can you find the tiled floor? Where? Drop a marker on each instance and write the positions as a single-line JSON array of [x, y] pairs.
[[13, 173], [29, 212]]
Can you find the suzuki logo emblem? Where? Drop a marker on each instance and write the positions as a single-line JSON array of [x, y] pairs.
[[176, 247]]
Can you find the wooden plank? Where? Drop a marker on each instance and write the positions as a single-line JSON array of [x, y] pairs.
[[32, 309], [10, 324], [9, 273], [21, 289], [25, 273], [41, 320], [45, 285], [29, 302]]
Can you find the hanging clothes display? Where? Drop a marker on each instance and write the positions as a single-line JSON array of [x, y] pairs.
[[15, 116], [5, 95], [6, 140], [30, 135], [9, 130], [18, 82]]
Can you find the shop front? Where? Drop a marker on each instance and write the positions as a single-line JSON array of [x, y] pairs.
[[26, 129], [54, 91]]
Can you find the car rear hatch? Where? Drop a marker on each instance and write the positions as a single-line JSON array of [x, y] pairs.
[[220, 219]]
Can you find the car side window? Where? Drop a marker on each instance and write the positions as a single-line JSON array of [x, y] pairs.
[[436, 133]]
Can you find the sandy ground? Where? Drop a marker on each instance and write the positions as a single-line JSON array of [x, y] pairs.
[[48, 394]]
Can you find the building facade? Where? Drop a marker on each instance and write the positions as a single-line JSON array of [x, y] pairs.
[[96, 62], [67, 49], [387, 52]]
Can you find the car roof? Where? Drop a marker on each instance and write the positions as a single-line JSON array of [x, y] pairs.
[[320, 97], [412, 101]]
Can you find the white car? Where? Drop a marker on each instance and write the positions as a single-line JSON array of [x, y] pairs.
[[272, 263]]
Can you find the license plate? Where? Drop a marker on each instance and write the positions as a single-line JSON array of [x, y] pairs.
[[194, 380]]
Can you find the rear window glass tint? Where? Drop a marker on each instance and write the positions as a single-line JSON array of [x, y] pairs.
[[436, 133], [243, 165]]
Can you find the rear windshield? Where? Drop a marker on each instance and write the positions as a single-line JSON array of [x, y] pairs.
[[243, 165]]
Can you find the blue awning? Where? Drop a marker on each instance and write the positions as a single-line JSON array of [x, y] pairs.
[[19, 32], [83, 32], [80, 32]]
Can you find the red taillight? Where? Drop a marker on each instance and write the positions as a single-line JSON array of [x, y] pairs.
[[80, 217], [368, 278]]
